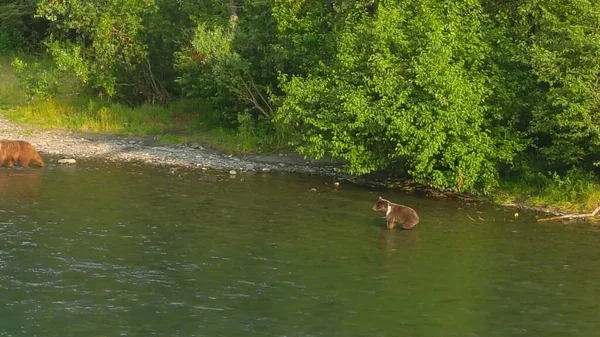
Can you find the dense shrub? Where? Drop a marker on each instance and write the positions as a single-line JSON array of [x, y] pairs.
[[19, 29]]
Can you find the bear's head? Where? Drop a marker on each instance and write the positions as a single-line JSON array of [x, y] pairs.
[[37, 159], [381, 205]]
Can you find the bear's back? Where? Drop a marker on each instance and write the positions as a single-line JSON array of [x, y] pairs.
[[404, 215], [9, 149]]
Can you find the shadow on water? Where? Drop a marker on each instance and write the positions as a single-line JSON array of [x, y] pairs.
[[120, 249]]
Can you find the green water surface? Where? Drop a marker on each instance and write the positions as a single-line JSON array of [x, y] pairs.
[[122, 250]]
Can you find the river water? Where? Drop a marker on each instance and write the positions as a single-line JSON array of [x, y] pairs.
[[123, 250]]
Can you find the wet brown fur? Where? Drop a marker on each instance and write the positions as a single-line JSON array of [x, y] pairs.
[[399, 214], [12, 151]]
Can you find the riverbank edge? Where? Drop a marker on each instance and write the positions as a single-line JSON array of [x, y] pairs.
[[149, 150]]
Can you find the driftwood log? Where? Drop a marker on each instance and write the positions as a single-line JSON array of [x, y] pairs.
[[572, 216]]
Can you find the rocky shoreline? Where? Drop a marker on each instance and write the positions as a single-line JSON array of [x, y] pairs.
[[80, 145]]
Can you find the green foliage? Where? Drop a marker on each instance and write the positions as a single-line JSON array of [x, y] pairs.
[[561, 46], [12, 92], [18, 28], [450, 91], [404, 86], [101, 42], [212, 65], [196, 78], [39, 80], [166, 31], [577, 190], [11, 39], [576, 186]]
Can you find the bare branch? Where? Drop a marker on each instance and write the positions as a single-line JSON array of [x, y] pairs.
[[572, 216]]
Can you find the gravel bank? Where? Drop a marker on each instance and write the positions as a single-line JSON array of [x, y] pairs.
[[80, 145]]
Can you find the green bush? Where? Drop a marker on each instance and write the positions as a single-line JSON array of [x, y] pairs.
[[39, 81], [400, 88], [102, 43]]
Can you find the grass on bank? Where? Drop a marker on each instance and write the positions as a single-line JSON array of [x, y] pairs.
[[574, 192], [183, 121], [11, 93]]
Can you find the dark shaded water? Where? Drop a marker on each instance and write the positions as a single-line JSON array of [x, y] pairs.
[[105, 250]]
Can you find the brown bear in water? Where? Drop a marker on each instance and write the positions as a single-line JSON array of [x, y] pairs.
[[395, 213], [12, 151]]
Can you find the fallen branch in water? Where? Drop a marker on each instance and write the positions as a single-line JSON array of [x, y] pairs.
[[572, 216]]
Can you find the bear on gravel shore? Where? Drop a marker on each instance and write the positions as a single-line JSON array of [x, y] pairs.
[[12, 151]]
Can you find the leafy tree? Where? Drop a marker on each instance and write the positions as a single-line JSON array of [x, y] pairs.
[[560, 43], [407, 86], [545, 64], [229, 61], [212, 60], [166, 32], [102, 43]]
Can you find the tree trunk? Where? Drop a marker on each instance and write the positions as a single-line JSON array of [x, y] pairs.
[[233, 11]]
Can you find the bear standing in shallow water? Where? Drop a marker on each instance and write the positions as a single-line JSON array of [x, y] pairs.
[[12, 151], [395, 213]]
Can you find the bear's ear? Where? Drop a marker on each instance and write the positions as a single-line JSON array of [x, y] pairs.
[[380, 198]]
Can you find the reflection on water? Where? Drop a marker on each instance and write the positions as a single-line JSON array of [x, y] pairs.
[[20, 184], [108, 250]]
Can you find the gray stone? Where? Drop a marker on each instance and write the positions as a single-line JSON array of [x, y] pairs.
[[67, 161]]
